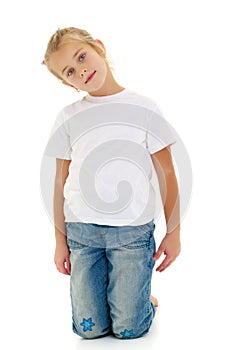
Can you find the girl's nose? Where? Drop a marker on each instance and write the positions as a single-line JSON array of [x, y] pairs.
[[83, 71]]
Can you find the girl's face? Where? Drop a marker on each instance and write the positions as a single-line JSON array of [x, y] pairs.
[[80, 66]]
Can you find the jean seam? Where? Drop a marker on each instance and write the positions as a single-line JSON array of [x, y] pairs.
[[148, 235]]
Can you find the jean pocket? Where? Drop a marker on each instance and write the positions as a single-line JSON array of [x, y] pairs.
[[141, 242], [74, 244]]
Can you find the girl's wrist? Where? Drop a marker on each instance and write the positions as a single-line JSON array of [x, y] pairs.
[[60, 236], [174, 231]]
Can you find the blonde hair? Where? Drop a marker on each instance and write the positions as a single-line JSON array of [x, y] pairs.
[[70, 34]]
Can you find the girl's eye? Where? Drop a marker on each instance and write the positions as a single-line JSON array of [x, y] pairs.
[[70, 72], [82, 57]]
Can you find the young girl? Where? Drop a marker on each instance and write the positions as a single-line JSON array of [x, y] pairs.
[[107, 244]]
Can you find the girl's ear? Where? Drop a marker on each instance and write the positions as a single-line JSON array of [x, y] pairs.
[[101, 45]]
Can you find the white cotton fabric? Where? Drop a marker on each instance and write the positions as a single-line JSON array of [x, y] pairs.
[[109, 140]]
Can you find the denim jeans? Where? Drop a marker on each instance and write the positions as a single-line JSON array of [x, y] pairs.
[[110, 281]]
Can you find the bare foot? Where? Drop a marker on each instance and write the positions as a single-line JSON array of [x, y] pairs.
[[154, 301]]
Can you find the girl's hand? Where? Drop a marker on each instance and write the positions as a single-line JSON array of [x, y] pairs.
[[62, 258], [171, 247]]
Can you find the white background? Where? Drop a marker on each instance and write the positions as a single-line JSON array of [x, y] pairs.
[[180, 54]]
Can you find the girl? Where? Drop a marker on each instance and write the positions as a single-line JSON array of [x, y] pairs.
[[107, 245]]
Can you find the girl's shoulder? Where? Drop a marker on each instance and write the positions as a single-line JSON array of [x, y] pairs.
[[72, 109], [144, 101], [67, 112]]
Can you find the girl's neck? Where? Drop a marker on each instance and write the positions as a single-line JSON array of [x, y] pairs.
[[110, 87]]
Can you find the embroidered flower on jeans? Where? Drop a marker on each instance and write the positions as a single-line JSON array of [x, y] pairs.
[[127, 334], [87, 324]]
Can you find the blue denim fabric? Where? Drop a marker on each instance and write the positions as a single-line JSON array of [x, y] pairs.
[[110, 287]]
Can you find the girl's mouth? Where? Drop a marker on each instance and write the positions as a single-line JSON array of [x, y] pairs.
[[90, 77]]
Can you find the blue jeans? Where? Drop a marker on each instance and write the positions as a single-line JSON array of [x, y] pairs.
[[110, 282]]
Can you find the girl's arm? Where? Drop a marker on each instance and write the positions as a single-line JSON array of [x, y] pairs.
[[61, 257], [168, 185]]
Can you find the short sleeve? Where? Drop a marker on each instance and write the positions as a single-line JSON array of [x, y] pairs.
[[59, 145], [159, 133]]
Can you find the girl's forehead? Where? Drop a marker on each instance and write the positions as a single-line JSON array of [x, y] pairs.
[[72, 44], [68, 49]]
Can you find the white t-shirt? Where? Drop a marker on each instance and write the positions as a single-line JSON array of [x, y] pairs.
[[109, 140]]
